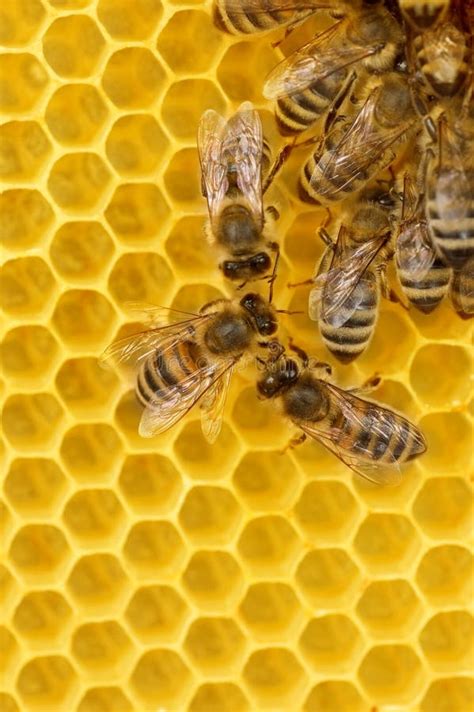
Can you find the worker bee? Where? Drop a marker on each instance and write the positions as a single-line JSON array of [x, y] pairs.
[[424, 15], [192, 360], [462, 290], [233, 155], [371, 440], [352, 153]]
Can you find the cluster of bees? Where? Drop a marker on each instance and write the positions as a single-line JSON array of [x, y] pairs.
[[383, 79]]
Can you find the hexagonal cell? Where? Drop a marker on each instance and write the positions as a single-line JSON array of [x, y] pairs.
[[328, 578], [219, 697], [121, 24], [39, 550], [391, 674], [137, 213], [266, 480], [104, 699], [334, 696], [24, 150], [388, 356], [157, 613], [91, 452], [23, 80], [213, 580], [94, 517], [189, 56], [26, 217], [86, 388], [102, 647], [192, 297], [444, 507], [34, 486], [188, 249], [81, 251], [389, 608], [215, 646], [141, 277], [133, 78], [327, 511], [7, 703], [331, 643], [84, 319], [275, 678], [48, 682], [43, 618], [32, 421], [154, 549], [186, 101], [136, 145], [182, 177], [440, 455], [271, 611], [210, 515], [77, 181], [245, 87], [202, 460], [452, 694], [261, 426], [98, 584], [9, 590], [446, 575], [150, 483], [27, 286], [72, 46], [386, 542], [20, 21], [453, 388], [447, 641], [269, 545], [9, 652], [161, 679], [75, 114], [28, 354], [127, 415]]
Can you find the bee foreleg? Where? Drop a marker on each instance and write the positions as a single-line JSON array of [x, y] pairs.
[[294, 442], [369, 385]]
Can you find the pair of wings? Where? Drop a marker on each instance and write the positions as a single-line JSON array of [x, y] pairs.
[[227, 148], [415, 253], [208, 383]]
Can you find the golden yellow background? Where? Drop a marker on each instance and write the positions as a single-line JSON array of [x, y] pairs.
[[166, 574]]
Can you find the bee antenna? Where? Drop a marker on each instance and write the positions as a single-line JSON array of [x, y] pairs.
[[273, 276], [288, 311]]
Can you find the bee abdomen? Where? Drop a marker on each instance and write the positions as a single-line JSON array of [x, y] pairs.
[[246, 22], [296, 112], [162, 372], [350, 340], [462, 290], [427, 292], [453, 236]]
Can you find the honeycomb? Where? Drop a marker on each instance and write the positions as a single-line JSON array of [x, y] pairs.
[[167, 574]]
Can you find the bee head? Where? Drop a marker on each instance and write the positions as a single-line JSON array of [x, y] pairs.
[[277, 378], [261, 312]]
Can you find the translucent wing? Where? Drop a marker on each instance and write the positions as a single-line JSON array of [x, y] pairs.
[[214, 182], [414, 251], [154, 315], [245, 7], [452, 187], [212, 406]]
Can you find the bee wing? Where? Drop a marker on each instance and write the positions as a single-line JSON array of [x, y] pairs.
[[214, 182], [453, 191], [415, 253], [212, 405], [256, 7], [155, 315]]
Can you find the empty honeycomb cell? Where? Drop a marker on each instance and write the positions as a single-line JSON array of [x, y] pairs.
[[391, 674], [219, 697], [213, 580], [450, 390], [202, 460], [81, 251], [39, 550], [331, 643], [189, 250], [192, 297], [91, 452], [8, 703], [121, 24], [161, 679], [141, 277], [266, 480], [9, 652], [188, 55], [98, 584], [328, 578], [28, 354], [388, 356], [150, 483], [26, 217], [334, 696], [75, 114], [274, 678], [35, 486], [389, 608], [127, 415], [27, 286], [261, 426], [85, 387], [157, 613], [104, 699], [387, 542], [210, 515], [182, 177], [184, 104], [447, 641], [31, 421], [102, 648], [137, 213], [84, 318], [20, 21], [452, 694], [133, 78], [94, 517], [444, 507], [73, 46], [136, 145], [77, 181], [440, 324], [24, 150], [47, 682], [43, 618], [446, 575], [271, 611], [215, 646], [326, 510], [154, 549], [249, 86], [449, 443], [23, 81], [269, 546]]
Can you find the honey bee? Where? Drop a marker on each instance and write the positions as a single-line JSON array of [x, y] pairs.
[[192, 360], [371, 440], [462, 290], [424, 15], [243, 17], [233, 154]]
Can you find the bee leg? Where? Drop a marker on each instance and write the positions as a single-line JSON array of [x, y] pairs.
[[324, 368], [369, 385], [305, 282], [273, 212], [294, 442], [299, 352], [241, 285], [278, 163], [387, 291]]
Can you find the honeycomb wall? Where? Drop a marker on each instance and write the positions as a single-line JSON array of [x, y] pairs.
[[166, 574]]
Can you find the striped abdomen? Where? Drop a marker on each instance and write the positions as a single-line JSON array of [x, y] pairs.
[[443, 58], [158, 373], [246, 22], [427, 291], [462, 290]]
